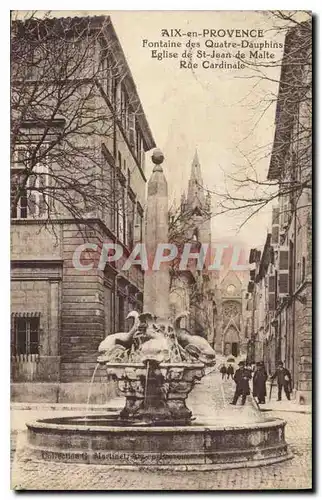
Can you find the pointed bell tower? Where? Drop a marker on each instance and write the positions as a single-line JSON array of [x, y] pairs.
[[196, 195], [198, 204]]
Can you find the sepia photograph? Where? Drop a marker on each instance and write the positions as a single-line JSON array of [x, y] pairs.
[[161, 250]]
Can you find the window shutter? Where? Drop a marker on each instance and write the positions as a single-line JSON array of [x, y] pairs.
[[283, 284], [271, 293], [283, 271], [275, 226], [275, 216], [286, 215], [275, 235], [283, 259]]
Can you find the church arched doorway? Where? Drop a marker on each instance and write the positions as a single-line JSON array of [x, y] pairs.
[[231, 342]]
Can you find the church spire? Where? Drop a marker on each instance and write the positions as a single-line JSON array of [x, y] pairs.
[[196, 170], [196, 195]]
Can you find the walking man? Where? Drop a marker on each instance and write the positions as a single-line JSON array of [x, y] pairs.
[[259, 382], [230, 371], [284, 379], [242, 378], [223, 371]]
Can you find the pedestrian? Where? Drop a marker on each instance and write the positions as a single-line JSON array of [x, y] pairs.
[[230, 371], [242, 377], [223, 371], [284, 379], [259, 382]]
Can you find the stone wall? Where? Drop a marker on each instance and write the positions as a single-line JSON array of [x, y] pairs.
[[82, 310], [36, 290], [304, 334]]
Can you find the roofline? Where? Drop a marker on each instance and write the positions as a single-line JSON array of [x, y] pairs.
[[147, 133], [105, 22], [266, 248]]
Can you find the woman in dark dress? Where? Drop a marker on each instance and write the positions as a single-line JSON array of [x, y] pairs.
[[259, 382]]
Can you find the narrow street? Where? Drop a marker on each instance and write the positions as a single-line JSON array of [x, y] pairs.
[[207, 397]]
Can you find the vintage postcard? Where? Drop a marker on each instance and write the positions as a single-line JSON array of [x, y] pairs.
[[161, 250]]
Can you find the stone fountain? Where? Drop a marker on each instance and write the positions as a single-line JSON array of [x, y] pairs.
[[156, 364]]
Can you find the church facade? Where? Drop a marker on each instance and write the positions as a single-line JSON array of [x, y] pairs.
[[231, 337]]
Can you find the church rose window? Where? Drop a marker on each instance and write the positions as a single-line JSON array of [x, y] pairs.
[[231, 289], [231, 309]]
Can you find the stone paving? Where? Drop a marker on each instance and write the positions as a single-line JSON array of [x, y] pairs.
[[204, 399]]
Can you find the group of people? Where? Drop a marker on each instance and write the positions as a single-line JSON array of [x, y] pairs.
[[227, 371], [244, 374]]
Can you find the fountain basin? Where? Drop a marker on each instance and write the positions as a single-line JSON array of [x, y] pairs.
[[111, 441]]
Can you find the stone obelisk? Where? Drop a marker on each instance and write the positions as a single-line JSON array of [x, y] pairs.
[[156, 282]]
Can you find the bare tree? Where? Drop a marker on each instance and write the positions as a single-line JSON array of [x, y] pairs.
[[64, 111], [246, 190]]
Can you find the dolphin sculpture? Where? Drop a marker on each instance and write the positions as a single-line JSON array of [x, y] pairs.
[[121, 338], [195, 345]]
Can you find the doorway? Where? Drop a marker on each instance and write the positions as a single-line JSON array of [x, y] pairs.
[[231, 342], [234, 349]]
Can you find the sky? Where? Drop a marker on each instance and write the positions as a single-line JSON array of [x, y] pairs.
[[228, 116]]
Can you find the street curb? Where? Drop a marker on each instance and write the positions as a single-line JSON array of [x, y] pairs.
[[287, 410]]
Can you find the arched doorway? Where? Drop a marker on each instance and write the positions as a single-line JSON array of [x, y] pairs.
[[231, 342]]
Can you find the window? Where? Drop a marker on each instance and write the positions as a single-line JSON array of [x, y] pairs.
[[121, 313], [303, 268], [271, 292], [138, 144], [109, 183], [124, 109], [107, 79], [231, 289], [108, 308], [25, 339], [20, 158], [113, 89], [32, 200], [275, 225], [130, 220], [121, 216], [290, 268], [139, 223]]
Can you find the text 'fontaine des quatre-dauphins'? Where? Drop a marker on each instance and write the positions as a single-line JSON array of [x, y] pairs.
[[222, 49]]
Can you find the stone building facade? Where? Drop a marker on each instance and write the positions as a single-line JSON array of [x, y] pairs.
[[288, 257], [61, 313]]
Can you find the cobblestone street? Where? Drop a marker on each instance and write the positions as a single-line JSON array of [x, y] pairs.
[[205, 398]]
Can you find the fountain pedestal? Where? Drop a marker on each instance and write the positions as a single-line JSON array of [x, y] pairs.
[[156, 392]]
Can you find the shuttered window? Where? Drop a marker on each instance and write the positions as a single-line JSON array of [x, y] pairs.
[[275, 226], [283, 284], [275, 216], [271, 293], [283, 260], [275, 235], [25, 335]]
